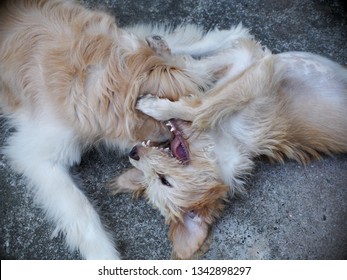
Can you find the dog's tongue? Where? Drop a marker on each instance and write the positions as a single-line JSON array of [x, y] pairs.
[[179, 147]]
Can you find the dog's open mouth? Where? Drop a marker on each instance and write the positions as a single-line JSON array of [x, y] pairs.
[[178, 145]]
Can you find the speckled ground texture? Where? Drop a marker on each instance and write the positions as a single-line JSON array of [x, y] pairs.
[[291, 211]]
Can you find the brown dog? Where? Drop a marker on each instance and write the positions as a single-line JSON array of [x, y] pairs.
[[287, 105], [69, 79]]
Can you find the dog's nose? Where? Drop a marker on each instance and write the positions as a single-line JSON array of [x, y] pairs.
[[134, 154]]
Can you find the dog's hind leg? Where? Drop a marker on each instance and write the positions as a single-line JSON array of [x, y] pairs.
[[43, 151], [213, 41]]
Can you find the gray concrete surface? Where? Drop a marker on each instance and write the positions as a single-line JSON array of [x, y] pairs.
[[291, 212]]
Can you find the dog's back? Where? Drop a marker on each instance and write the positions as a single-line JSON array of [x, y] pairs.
[[37, 36]]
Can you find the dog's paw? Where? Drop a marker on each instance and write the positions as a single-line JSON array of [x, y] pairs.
[[155, 107], [158, 44], [236, 33], [228, 38]]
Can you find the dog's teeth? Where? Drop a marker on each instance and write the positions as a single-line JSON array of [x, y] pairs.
[[169, 124], [143, 144], [167, 149], [148, 142]]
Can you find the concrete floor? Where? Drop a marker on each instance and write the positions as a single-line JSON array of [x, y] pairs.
[[291, 212]]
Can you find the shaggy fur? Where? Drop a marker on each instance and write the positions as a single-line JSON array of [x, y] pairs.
[[289, 105], [69, 79]]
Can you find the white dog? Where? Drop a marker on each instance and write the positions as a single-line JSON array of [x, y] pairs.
[[69, 79], [290, 105]]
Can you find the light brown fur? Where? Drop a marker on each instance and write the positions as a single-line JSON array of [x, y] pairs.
[[70, 79], [85, 67], [290, 105]]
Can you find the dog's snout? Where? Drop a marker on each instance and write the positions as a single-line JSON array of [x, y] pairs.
[[134, 154]]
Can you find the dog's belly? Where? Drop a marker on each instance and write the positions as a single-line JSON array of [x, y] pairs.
[[315, 91], [239, 132], [310, 76]]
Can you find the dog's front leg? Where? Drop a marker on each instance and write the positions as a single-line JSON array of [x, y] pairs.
[[163, 109], [43, 152], [235, 94]]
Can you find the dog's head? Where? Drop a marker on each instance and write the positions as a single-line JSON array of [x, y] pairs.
[[180, 179], [152, 69]]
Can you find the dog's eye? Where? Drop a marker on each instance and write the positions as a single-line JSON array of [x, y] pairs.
[[164, 181]]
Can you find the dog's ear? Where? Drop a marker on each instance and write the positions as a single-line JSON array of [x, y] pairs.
[[158, 44], [130, 181], [190, 233], [188, 236]]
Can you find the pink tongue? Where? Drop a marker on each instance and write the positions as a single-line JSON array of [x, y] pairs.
[[178, 150]]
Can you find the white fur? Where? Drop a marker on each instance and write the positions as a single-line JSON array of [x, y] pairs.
[[42, 150], [46, 144], [291, 105], [192, 40]]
